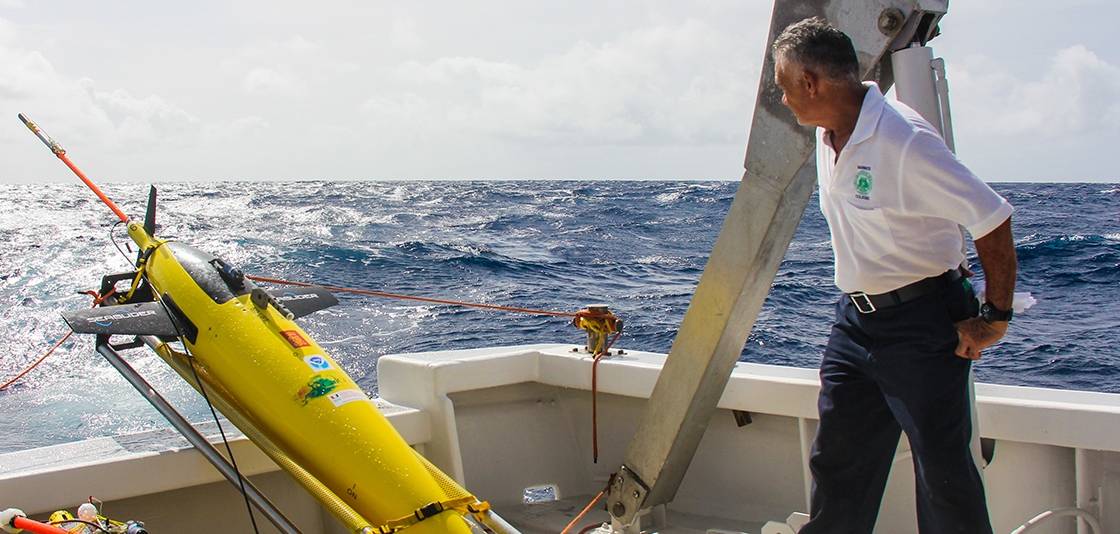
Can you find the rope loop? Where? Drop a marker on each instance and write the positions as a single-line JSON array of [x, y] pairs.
[[599, 323]]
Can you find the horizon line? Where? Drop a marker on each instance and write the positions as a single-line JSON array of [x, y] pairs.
[[1115, 180]]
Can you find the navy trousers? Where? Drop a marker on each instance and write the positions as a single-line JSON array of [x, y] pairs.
[[889, 371]]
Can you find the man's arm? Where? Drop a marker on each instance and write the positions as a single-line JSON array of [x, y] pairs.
[[997, 257]]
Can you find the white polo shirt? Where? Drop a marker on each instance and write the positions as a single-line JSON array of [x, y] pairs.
[[895, 198]]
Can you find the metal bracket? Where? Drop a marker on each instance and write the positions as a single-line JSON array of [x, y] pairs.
[[134, 344], [631, 493], [142, 294]]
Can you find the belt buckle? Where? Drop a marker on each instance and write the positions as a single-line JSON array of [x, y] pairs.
[[870, 307]]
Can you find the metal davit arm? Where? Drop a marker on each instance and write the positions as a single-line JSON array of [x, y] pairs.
[[775, 188], [196, 439]]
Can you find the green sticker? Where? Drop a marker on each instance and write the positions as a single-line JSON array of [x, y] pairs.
[[317, 387]]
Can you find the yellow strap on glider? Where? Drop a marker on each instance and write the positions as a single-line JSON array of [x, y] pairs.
[[463, 505], [142, 264], [135, 282]]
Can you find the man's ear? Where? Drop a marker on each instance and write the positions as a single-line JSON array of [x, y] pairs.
[[810, 82]]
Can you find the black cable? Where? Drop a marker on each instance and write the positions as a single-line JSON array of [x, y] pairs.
[[88, 523], [115, 244], [214, 414], [229, 451]]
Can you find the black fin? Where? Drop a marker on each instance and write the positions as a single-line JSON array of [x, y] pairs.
[[149, 219], [304, 300], [150, 214], [146, 318]]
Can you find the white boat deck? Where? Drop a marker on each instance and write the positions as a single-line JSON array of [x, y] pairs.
[[510, 419], [552, 516]]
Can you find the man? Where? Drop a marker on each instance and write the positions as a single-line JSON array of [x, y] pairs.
[[899, 355]]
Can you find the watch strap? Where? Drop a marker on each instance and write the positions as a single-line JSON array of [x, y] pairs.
[[990, 313]]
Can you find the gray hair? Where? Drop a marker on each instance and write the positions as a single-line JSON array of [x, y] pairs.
[[815, 43]]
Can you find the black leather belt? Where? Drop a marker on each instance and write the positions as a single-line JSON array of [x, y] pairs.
[[871, 303]]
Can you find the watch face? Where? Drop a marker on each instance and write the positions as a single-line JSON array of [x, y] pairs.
[[989, 313]]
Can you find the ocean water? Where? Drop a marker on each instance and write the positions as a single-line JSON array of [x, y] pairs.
[[638, 246]]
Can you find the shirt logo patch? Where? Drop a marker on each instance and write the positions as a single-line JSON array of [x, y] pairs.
[[864, 182]]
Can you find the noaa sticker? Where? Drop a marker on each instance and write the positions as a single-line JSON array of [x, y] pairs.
[[317, 362], [347, 396], [863, 183]]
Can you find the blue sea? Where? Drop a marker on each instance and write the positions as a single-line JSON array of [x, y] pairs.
[[638, 246]]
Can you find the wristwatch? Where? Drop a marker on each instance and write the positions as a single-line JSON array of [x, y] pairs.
[[991, 314]]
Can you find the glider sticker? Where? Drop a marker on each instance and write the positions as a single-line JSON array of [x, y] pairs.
[[294, 338], [315, 388], [347, 396]]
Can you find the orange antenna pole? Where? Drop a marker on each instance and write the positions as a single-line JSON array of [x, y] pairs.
[[61, 153]]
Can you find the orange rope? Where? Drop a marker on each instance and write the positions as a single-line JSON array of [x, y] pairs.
[[577, 315], [595, 399], [29, 368], [97, 300], [384, 294], [586, 509]]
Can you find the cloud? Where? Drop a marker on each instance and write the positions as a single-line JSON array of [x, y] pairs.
[[403, 34], [1077, 94], [285, 68], [1055, 121], [268, 81], [101, 123], [30, 83], [668, 84], [138, 119]]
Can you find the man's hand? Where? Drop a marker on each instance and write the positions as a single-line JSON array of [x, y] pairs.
[[976, 334]]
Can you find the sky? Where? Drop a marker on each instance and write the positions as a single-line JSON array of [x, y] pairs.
[[499, 89]]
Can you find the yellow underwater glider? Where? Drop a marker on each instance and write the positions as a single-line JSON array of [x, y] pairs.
[[243, 350]]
